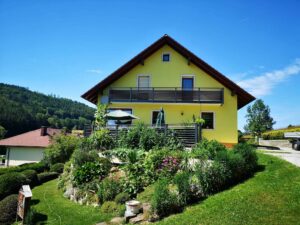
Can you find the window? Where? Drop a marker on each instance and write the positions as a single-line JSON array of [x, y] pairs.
[[123, 122], [154, 117], [143, 81], [187, 83], [209, 120], [166, 57]]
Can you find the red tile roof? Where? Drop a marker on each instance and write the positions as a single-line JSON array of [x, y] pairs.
[[31, 138]]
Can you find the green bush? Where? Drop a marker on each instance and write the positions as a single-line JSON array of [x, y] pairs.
[[101, 140], [61, 149], [278, 134], [182, 181], [207, 149], [91, 170], [32, 217], [81, 156], [171, 141], [109, 207], [122, 197], [8, 210], [249, 155], [46, 176], [108, 189], [149, 139], [31, 177], [38, 167], [163, 201], [212, 178], [57, 167], [10, 183]]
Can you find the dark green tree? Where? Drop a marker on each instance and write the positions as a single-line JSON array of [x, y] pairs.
[[2, 132], [259, 119]]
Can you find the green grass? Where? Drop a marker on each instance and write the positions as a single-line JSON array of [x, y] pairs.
[[272, 196], [53, 208]]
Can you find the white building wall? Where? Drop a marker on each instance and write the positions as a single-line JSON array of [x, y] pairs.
[[20, 155]]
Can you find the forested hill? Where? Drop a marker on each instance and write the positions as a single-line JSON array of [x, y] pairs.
[[22, 110]]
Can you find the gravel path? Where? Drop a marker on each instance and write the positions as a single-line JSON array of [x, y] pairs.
[[287, 154]]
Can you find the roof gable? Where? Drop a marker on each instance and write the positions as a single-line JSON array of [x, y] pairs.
[[243, 97]]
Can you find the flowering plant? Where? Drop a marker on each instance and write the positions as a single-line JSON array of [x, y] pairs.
[[169, 164]]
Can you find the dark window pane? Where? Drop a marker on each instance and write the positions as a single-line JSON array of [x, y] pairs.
[[166, 57], [187, 83], [209, 120], [154, 117]]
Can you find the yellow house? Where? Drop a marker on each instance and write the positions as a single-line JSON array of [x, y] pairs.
[[168, 75]]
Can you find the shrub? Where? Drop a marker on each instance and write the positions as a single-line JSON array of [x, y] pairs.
[[58, 168], [171, 141], [101, 140], [131, 138], [8, 209], [208, 149], [61, 149], [46, 176], [81, 157], [278, 134], [169, 165], [32, 217], [121, 210], [182, 181], [108, 189], [136, 178], [149, 139], [91, 170], [31, 177], [249, 155], [212, 178], [122, 197], [10, 183], [164, 202], [109, 207], [38, 167]]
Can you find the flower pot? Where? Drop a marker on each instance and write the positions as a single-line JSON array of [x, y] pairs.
[[133, 207]]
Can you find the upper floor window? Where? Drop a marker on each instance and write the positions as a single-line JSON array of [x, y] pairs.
[[209, 119], [143, 81], [166, 57]]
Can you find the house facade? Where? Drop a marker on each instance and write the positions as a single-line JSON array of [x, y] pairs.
[[167, 75], [27, 147]]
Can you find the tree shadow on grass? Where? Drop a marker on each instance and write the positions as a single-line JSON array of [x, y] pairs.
[[34, 201]]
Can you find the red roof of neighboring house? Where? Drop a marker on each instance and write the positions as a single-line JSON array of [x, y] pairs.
[[31, 139]]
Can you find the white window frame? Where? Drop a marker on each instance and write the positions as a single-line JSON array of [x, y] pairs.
[[143, 75], [162, 57], [214, 119]]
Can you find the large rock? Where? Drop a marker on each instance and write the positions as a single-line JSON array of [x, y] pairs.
[[102, 223], [117, 220], [138, 219]]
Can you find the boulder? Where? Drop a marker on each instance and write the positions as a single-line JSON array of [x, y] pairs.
[[117, 220]]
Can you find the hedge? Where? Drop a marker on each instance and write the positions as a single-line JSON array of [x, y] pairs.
[[46, 176], [58, 168], [10, 183], [8, 209], [38, 167], [31, 177], [278, 134]]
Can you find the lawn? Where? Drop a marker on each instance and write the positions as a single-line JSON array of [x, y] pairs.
[[53, 208], [272, 196]]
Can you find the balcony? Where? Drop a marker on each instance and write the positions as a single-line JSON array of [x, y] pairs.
[[167, 95]]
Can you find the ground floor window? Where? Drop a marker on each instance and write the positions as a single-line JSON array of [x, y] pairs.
[[154, 117], [209, 120], [113, 122]]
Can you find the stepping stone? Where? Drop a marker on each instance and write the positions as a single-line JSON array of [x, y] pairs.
[[117, 220], [138, 219]]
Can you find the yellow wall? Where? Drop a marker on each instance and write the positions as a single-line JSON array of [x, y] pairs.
[[168, 74]]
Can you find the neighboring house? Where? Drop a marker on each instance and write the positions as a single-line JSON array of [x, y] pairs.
[[168, 75], [27, 147]]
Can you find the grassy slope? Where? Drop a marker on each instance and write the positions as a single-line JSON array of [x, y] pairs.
[[271, 197], [48, 201]]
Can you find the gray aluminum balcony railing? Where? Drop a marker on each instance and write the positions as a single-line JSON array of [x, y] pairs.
[[168, 95]]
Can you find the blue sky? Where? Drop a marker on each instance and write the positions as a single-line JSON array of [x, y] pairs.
[[65, 47]]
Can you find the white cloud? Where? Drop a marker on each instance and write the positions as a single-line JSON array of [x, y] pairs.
[[97, 71], [263, 84]]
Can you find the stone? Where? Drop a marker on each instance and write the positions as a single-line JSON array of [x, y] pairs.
[[114, 169], [138, 219], [102, 223], [117, 220]]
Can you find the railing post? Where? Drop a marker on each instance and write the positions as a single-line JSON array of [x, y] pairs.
[[131, 94], [153, 94], [175, 95], [196, 133], [199, 95]]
